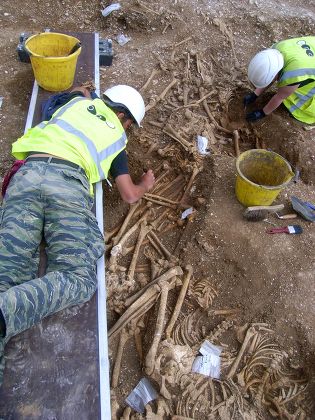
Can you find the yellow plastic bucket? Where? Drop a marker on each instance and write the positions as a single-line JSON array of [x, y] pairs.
[[261, 175], [54, 59]]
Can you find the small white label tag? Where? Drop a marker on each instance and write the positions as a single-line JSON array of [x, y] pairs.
[[187, 212], [141, 395], [209, 348], [202, 144], [209, 363]]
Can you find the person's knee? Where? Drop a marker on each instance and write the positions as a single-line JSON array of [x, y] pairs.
[[91, 289], [88, 285]]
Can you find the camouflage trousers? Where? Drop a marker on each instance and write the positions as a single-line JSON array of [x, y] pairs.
[[51, 201]]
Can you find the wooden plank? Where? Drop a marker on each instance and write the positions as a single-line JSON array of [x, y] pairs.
[[52, 370]]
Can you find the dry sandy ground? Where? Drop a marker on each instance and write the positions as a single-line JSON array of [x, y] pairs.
[[268, 279]]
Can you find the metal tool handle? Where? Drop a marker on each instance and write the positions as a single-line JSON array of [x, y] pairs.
[[287, 216]]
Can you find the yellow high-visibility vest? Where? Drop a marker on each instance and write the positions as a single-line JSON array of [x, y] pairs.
[[84, 131], [299, 65]]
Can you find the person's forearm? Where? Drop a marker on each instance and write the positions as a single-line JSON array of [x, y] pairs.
[[259, 91], [134, 194], [279, 97], [273, 104], [131, 192]]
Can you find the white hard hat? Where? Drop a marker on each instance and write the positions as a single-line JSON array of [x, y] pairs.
[[264, 66], [129, 98]]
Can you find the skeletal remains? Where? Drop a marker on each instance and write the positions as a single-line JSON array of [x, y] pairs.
[[258, 366], [167, 328]]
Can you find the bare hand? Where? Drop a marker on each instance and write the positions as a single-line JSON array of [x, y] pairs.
[[148, 180], [82, 89], [89, 85]]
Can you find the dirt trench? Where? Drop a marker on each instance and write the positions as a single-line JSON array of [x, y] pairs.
[[244, 281]]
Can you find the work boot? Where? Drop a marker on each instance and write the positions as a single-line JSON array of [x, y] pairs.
[[1, 359]]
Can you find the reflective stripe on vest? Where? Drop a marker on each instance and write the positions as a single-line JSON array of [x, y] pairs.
[[297, 73], [303, 99], [97, 157], [89, 143]]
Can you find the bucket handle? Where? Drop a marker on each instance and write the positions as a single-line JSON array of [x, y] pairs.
[[294, 170], [75, 48]]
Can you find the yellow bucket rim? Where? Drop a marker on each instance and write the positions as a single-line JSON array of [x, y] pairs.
[[32, 54], [267, 187]]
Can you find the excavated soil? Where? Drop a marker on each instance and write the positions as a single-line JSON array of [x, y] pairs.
[[262, 281]]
